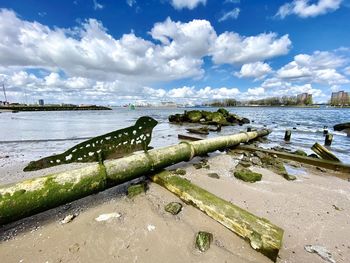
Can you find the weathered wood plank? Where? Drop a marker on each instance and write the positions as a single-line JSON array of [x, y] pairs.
[[262, 235]]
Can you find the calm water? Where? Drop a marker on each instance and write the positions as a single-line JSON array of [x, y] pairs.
[[30, 135]]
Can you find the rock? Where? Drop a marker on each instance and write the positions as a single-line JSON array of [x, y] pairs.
[[218, 118], [194, 116], [105, 217], [173, 208], [202, 164], [247, 175], [344, 127], [208, 115], [277, 166], [214, 175], [203, 240], [197, 165], [176, 118], [256, 161], [321, 169], [224, 112], [321, 251], [259, 154], [67, 219], [244, 164], [300, 152], [136, 189], [179, 171]]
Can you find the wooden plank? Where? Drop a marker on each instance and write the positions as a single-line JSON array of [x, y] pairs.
[[336, 166], [262, 235], [188, 138]]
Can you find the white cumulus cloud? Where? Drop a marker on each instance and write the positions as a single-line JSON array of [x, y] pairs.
[[304, 9], [231, 48], [257, 70], [190, 4]]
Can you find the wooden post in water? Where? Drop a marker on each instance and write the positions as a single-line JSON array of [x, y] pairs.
[[249, 129], [325, 130], [328, 139], [287, 135]]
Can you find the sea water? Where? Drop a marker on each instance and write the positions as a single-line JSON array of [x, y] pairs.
[[26, 136]]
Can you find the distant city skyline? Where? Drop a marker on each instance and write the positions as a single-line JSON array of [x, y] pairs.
[[185, 51]]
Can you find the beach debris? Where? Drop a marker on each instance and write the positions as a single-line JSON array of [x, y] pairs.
[[38, 194], [68, 219], [343, 127], [247, 175], [150, 228], [332, 165], [321, 251], [203, 240], [214, 175], [106, 217], [173, 208], [220, 117], [179, 171], [324, 153], [256, 161], [337, 208], [202, 130], [202, 164], [136, 189], [111, 145], [262, 235]]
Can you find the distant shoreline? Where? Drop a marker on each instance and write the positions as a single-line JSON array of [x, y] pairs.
[[17, 108]]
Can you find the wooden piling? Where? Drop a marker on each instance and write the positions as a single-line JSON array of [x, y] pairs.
[[328, 139], [287, 135]]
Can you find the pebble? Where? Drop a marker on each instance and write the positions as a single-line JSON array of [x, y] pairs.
[[105, 217]]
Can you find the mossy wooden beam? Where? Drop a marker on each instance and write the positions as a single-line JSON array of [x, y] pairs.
[[324, 153], [32, 196], [336, 166], [262, 235]]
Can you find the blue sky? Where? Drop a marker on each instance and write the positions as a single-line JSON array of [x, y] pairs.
[[115, 52]]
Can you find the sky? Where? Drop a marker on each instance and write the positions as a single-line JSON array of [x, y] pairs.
[[114, 52]]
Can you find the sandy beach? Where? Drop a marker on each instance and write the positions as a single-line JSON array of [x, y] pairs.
[[313, 210]]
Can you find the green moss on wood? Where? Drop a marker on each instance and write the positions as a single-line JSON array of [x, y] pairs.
[[247, 175], [262, 235]]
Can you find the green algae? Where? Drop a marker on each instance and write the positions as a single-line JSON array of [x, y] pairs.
[[247, 175], [136, 189], [173, 208], [203, 240]]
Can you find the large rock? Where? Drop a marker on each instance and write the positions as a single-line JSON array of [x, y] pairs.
[[218, 118], [194, 116], [247, 175], [208, 115]]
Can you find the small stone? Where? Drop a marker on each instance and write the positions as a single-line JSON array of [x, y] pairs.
[[136, 189], [247, 176], [203, 240], [256, 161], [321, 251], [179, 171], [259, 154], [313, 156], [214, 175], [151, 228], [321, 169], [197, 165], [105, 217], [173, 208], [68, 219]]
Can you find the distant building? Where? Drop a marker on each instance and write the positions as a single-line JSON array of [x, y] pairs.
[[304, 99], [41, 102], [340, 98]]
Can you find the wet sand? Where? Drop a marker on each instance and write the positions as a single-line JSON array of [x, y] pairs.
[[313, 210]]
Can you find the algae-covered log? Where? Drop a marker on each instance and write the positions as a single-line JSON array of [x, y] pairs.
[[324, 153], [262, 235], [32, 196]]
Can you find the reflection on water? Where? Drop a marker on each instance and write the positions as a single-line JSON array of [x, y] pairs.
[[35, 134]]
